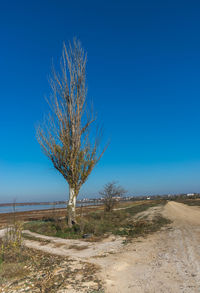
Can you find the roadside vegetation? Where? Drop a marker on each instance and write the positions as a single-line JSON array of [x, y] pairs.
[[98, 224], [28, 270], [32, 271]]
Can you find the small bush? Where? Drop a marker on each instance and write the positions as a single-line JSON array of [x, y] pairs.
[[12, 242]]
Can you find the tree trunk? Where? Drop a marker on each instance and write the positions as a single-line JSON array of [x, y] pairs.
[[74, 207], [71, 207]]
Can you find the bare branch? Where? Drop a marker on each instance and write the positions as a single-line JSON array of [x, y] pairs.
[[65, 136], [111, 193]]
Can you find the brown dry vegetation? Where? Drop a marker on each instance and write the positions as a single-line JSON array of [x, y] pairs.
[[6, 218], [32, 271], [98, 224]]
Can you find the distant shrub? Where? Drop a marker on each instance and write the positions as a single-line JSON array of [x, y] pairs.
[[110, 194]]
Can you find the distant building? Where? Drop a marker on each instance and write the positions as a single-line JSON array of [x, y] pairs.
[[117, 198], [190, 194]]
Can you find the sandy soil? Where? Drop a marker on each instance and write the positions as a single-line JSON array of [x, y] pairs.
[[76, 249], [166, 262]]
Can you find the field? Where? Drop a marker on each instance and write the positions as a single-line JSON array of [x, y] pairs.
[[96, 224], [140, 246]]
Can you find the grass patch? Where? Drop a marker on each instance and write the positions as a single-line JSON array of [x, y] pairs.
[[97, 224]]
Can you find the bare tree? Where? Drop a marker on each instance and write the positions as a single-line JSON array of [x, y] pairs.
[[69, 135], [110, 193]]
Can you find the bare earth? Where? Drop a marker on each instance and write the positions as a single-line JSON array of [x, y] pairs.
[[166, 261]]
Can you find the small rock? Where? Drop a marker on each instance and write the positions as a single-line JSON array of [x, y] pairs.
[[87, 236]]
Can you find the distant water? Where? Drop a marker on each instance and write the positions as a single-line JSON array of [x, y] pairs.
[[9, 209]]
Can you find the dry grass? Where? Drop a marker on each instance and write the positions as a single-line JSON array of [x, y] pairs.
[[98, 224], [12, 270], [26, 270], [35, 271]]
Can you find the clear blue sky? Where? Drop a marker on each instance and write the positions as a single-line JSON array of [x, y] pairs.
[[143, 75]]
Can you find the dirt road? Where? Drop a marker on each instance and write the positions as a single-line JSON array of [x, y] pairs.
[[164, 262], [167, 262]]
